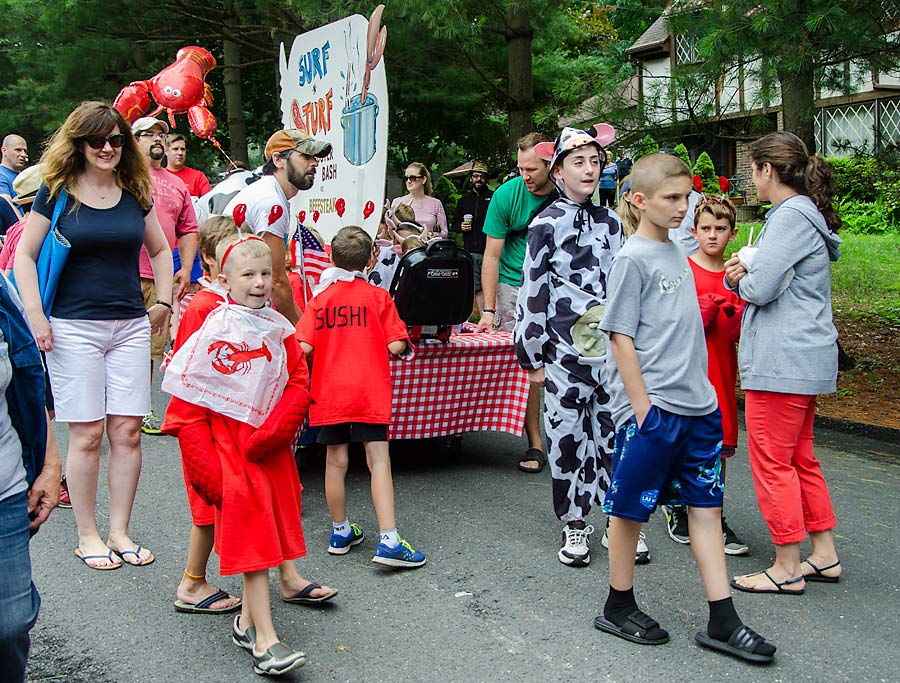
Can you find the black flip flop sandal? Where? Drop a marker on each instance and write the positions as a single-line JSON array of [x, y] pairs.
[[205, 605], [741, 644], [533, 454], [779, 585], [818, 576], [637, 628], [304, 597]]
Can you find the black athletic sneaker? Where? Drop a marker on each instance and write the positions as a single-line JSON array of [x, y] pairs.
[[677, 523], [733, 545]]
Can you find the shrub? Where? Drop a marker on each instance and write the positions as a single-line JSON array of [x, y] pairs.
[[867, 218], [446, 191], [646, 146], [682, 153], [856, 177], [707, 172]]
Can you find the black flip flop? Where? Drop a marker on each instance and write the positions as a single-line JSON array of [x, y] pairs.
[[304, 597], [741, 644], [204, 606], [779, 585], [533, 454], [818, 576], [638, 627]]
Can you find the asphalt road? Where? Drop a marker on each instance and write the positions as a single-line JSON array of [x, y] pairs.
[[492, 604]]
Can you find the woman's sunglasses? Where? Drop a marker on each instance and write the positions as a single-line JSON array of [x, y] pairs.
[[407, 178], [99, 141]]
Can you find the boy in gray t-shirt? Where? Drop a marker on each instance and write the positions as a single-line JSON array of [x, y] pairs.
[[669, 429], [665, 325]]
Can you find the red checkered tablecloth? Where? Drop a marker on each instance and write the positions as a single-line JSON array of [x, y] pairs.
[[473, 383]]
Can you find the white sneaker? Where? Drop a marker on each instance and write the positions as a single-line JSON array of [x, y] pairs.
[[641, 556], [575, 551]]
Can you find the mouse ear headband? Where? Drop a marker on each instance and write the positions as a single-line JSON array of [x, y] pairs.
[[600, 134]]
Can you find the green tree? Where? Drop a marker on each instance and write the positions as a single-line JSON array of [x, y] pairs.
[[646, 146], [457, 79], [792, 46], [55, 54], [705, 168], [521, 61], [682, 153]]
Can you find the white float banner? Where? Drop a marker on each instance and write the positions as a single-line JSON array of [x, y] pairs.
[[322, 84]]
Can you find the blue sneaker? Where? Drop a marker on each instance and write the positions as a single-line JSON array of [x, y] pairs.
[[402, 555], [340, 545]]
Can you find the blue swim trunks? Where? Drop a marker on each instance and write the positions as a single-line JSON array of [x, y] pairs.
[[671, 459]]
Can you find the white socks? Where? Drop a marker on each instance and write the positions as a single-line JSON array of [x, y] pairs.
[[390, 538], [342, 528]]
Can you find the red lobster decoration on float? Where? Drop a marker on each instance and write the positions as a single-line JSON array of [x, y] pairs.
[[180, 88]]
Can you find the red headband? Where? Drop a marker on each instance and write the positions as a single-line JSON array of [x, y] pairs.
[[234, 244]]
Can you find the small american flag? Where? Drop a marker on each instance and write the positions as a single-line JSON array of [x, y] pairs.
[[313, 259]]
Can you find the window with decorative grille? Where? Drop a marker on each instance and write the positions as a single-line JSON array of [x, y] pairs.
[[685, 50]]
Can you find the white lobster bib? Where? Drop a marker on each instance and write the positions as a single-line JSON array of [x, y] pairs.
[[235, 364]]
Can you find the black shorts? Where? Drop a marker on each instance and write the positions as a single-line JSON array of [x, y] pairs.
[[351, 432]]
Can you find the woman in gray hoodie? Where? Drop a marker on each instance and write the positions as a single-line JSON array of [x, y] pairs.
[[788, 354]]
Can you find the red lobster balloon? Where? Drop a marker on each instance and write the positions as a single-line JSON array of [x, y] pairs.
[[179, 88]]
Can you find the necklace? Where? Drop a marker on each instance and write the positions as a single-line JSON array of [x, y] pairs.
[[100, 194]]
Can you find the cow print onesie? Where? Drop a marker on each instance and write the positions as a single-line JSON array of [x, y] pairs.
[[559, 308]]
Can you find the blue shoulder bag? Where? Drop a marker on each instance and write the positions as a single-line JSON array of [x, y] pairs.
[[52, 259]]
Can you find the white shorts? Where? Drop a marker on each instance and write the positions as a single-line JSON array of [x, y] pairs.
[[99, 368]]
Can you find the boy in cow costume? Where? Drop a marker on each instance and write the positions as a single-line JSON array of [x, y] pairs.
[[571, 246]]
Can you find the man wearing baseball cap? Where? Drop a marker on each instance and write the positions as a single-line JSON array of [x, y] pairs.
[[291, 160], [473, 206], [179, 223]]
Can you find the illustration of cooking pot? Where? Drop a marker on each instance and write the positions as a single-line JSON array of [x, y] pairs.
[[358, 121]]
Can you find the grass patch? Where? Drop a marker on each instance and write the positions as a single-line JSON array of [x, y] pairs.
[[865, 281]]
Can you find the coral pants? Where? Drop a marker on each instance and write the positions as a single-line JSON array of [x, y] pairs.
[[790, 488]]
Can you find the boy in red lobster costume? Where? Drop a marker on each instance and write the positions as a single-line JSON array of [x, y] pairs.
[[237, 447]]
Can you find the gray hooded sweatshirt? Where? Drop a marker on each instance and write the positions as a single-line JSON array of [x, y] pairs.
[[788, 340]]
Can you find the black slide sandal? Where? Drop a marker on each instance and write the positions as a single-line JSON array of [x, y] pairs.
[[638, 622], [741, 644], [533, 454]]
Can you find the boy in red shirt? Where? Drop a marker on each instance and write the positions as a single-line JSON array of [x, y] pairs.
[[721, 310], [346, 327], [194, 594]]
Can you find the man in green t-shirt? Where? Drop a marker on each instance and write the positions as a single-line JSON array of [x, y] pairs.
[[512, 207]]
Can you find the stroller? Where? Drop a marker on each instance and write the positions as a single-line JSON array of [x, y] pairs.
[[433, 289]]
